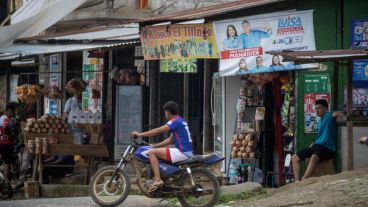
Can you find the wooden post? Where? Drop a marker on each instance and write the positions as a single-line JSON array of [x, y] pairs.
[[63, 76], [186, 97], [349, 122], [206, 106], [154, 95]]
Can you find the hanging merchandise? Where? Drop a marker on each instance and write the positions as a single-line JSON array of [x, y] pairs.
[[124, 76], [52, 92], [28, 93], [243, 145]]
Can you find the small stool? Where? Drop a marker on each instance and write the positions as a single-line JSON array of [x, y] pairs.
[[323, 168]]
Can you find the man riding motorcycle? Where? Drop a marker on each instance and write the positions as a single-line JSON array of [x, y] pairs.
[[180, 137]]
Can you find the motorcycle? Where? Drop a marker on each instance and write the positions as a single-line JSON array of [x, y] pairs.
[[5, 187], [191, 180]]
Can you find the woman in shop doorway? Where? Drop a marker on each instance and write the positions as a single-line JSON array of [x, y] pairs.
[[243, 67], [232, 41], [73, 106], [276, 64]]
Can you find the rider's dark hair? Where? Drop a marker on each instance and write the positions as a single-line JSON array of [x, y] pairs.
[[322, 102], [171, 107]]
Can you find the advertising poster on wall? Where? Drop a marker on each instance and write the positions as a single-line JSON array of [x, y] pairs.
[[13, 85], [310, 117], [316, 86], [178, 66], [53, 106], [3, 84], [93, 75], [179, 41], [359, 33], [243, 41]]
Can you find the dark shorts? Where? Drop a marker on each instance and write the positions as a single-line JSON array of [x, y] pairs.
[[6, 152], [322, 152]]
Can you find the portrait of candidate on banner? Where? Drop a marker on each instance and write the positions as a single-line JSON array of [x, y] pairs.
[[243, 41]]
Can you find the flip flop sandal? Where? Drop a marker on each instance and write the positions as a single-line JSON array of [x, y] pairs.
[[155, 186]]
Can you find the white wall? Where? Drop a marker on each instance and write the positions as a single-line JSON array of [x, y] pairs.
[[360, 151]]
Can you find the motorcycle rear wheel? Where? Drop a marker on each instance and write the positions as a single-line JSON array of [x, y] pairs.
[[107, 195], [206, 185]]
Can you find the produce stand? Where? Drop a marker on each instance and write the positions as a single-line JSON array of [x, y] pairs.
[[62, 144]]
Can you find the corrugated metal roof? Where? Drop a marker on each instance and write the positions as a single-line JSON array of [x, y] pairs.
[[123, 32], [321, 55], [35, 49], [210, 10]]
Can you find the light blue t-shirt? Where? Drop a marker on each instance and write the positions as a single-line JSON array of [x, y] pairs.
[[279, 67], [232, 43], [260, 69], [326, 128], [254, 38]]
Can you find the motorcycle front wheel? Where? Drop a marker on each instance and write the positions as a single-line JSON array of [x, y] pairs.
[[6, 191], [205, 193], [108, 194]]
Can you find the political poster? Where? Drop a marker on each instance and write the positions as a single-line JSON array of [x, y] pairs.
[[177, 41], [243, 42]]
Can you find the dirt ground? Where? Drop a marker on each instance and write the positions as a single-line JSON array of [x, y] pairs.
[[343, 189]]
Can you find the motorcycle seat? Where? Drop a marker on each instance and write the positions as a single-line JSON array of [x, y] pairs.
[[195, 159]]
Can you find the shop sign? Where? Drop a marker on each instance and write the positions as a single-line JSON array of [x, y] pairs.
[[178, 66], [310, 117], [3, 85], [179, 41], [13, 85], [359, 33], [244, 41], [52, 106], [317, 83]]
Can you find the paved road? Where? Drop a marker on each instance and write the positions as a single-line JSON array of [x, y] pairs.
[[132, 201]]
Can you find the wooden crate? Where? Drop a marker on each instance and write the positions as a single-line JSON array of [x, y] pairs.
[[63, 138], [32, 189]]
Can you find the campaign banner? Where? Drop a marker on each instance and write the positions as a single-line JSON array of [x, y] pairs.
[[177, 41], [244, 41]]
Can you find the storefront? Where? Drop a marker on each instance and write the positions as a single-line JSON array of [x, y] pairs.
[[181, 58], [255, 94]]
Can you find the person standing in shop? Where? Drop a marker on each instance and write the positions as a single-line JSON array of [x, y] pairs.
[[73, 106]]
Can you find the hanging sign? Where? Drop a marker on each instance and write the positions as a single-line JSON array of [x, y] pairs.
[[317, 83], [179, 41], [244, 41], [178, 66]]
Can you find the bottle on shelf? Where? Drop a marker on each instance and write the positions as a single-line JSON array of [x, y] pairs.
[[233, 174]]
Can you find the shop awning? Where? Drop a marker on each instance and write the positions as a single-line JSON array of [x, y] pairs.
[[123, 32], [321, 56], [210, 10], [13, 51], [73, 41], [35, 23]]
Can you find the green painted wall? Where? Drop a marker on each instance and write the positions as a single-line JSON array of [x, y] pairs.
[[328, 35], [325, 31]]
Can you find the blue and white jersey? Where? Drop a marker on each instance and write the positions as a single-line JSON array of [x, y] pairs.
[[181, 135]]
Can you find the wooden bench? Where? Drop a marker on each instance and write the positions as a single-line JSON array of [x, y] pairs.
[[323, 168]]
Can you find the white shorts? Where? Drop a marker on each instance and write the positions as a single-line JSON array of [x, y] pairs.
[[175, 155]]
